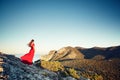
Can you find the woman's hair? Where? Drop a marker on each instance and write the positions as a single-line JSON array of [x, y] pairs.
[[29, 44], [32, 40]]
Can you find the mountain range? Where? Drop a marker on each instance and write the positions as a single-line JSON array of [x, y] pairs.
[[83, 53], [103, 61], [106, 52]]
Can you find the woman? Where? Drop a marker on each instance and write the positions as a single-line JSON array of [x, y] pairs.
[[28, 58]]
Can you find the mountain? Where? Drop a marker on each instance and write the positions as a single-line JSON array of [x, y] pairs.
[[107, 53], [96, 63], [64, 53]]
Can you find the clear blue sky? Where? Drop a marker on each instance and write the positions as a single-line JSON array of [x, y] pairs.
[[58, 23]]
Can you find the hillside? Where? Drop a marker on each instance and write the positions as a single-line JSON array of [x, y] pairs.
[[109, 69], [108, 52], [90, 62]]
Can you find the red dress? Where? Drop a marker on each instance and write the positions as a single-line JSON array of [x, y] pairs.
[[28, 58]]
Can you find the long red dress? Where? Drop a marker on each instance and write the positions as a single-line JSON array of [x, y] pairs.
[[28, 58]]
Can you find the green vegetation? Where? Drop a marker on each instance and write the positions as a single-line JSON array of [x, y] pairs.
[[93, 76], [73, 73], [96, 69], [56, 66], [52, 65], [98, 77]]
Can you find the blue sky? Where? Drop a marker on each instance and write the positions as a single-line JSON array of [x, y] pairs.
[[58, 23]]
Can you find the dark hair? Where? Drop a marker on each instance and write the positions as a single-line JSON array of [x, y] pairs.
[[32, 40], [29, 44]]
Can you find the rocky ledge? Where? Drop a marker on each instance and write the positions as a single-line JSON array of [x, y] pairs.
[[11, 68]]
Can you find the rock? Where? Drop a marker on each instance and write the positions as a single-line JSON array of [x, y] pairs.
[[13, 69], [70, 53], [1, 69], [49, 56], [69, 78], [64, 53]]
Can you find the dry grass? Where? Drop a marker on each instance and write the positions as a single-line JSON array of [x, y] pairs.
[[95, 69]]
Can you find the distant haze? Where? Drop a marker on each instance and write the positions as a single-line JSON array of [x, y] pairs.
[[58, 23]]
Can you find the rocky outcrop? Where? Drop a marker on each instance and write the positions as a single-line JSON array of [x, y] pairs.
[[65, 53], [11, 68], [14, 69], [49, 56]]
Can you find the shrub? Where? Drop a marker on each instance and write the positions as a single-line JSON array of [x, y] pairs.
[[56, 66], [98, 77], [52, 65], [72, 72]]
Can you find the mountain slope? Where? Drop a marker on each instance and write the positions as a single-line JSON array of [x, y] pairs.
[[14, 69], [108, 52]]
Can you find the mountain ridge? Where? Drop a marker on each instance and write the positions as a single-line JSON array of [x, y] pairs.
[[63, 54], [83, 53], [107, 52], [91, 60]]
